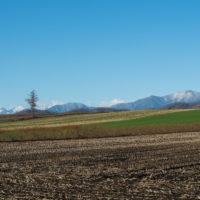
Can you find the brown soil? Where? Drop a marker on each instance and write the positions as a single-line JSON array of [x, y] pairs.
[[165, 166]]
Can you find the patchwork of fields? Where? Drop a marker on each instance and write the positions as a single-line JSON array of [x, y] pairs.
[[158, 156], [16, 122], [78, 126]]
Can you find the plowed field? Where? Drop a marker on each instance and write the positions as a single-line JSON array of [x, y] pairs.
[[162, 166]]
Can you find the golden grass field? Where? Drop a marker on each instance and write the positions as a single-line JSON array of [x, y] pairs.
[[16, 122], [75, 126]]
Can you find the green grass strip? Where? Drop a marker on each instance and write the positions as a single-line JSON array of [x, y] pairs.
[[186, 117]]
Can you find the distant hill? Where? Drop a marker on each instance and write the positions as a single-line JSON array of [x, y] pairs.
[[151, 102], [104, 109], [81, 110], [178, 105], [28, 111], [95, 110], [69, 107], [183, 105]]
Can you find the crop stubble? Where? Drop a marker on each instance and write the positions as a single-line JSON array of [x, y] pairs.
[[162, 166]]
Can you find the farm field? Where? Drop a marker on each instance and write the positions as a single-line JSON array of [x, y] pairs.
[[132, 123], [155, 166], [187, 117], [55, 120]]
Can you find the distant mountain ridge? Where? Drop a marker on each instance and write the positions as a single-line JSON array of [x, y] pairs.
[[142, 104], [182, 105], [79, 108], [12, 110], [188, 96], [186, 99], [155, 102], [37, 111], [69, 107]]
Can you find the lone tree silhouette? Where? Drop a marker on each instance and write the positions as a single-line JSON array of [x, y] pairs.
[[32, 102]]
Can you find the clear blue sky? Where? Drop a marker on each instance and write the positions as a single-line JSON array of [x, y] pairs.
[[97, 50]]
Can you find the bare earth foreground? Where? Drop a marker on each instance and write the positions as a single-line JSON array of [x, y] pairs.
[[165, 166]]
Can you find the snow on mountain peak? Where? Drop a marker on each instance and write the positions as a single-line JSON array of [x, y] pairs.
[[186, 96], [17, 109], [3, 110], [12, 110]]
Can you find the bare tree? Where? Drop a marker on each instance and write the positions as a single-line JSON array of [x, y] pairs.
[[32, 100]]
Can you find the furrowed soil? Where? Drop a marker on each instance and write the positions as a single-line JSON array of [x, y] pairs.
[[162, 166]]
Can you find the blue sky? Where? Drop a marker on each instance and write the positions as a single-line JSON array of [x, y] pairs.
[[94, 51]]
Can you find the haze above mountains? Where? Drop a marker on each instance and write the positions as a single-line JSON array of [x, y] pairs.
[[151, 102]]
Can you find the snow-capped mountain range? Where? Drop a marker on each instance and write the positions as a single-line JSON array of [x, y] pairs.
[[159, 102], [188, 96], [12, 110], [150, 102]]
